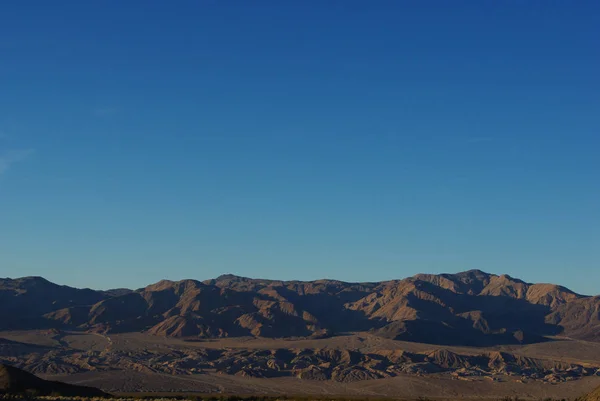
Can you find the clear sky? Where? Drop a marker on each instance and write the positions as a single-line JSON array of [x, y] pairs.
[[358, 140]]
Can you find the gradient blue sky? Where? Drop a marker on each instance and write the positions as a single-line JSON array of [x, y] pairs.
[[358, 140]]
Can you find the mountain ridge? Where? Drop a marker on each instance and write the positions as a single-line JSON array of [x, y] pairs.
[[466, 308]]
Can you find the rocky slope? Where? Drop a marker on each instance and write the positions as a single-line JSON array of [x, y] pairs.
[[468, 308]]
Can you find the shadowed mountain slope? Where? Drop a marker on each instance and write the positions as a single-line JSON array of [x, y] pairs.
[[24, 301]]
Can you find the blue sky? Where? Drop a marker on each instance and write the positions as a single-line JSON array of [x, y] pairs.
[[299, 140]]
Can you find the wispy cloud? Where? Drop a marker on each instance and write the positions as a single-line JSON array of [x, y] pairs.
[[7, 159]]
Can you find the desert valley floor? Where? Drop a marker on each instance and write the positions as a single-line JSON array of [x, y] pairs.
[[137, 362]]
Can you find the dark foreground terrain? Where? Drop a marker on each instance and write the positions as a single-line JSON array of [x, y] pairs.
[[470, 334], [14, 381]]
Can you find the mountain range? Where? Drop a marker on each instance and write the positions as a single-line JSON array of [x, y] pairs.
[[471, 308]]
